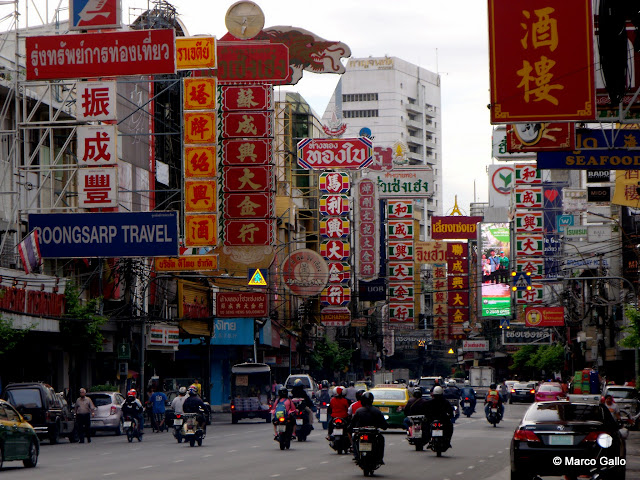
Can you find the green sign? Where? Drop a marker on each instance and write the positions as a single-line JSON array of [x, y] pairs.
[[124, 351]]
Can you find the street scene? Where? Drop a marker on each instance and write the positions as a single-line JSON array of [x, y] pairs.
[[267, 239]]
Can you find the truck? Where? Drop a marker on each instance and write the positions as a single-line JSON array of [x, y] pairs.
[[482, 377]]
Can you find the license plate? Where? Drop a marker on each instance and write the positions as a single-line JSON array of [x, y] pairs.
[[494, 410], [560, 440], [384, 409], [281, 428], [365, 447], [299, 421], [177, 421], [337, 431], [417, 434], [126, 424], [437, 433], [323, 415]]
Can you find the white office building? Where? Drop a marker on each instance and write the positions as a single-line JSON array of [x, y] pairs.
[[400, 103]]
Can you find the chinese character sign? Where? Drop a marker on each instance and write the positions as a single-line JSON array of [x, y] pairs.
[[96, 101], [200, 162], [199, 93], [541, 61], [98, 187], [367, 236], [96, 145], [200, 127]]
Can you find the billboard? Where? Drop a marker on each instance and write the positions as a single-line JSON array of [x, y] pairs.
[[495, 246], [127, 234], [93, 14]]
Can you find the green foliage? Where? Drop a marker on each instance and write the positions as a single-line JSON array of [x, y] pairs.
[[107, 387], [82, 324], [522, 356], [10, 337], [459, 374], [632, 339], [535, 358], [329, 357]]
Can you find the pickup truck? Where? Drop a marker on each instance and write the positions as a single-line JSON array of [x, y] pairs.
[[584, 397]]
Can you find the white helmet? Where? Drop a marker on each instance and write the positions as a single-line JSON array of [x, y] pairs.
[[437, 391], [467, 383]]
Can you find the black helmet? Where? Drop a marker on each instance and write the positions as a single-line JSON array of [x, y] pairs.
[[417, 392], [283, 393], [366, 399], [359, 394], [492, 386], [351, 384], [325, 384]]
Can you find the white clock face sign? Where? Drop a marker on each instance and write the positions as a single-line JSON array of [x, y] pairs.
[[244, 20]]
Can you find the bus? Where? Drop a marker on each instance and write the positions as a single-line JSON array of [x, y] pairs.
[[251, 394]]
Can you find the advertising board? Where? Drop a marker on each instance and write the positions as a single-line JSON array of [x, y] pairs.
[[495, 296]]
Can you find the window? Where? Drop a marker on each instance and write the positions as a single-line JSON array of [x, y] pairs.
[[24, 397], [359, 113], [11, 414], [359, 97]]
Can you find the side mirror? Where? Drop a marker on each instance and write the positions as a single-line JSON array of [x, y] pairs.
[[27, 417]]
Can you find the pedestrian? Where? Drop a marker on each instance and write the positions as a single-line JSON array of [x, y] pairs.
[[84, 410], [198, 386], [158, 406]]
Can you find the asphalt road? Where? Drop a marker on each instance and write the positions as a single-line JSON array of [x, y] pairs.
[[246, 451]]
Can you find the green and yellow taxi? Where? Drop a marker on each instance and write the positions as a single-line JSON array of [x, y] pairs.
[[18, 439], [391, 400]]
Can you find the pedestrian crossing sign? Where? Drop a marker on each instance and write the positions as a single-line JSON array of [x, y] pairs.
[[257, 277]]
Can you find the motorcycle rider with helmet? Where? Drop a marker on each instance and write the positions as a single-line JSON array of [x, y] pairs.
[[289, 408], [338, 408], [298, 391], [468, 392], [439, 408], [370, 416], [133, 408], [415, 406], [178, 402], [493, 398], [194, 404]]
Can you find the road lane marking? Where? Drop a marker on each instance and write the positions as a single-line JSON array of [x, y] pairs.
[[178, 461], [301, 468], [230, 435], [207, 455], [231, 451], [491, 456], [274, 475], [146, 466], [470, 467], [326, 461], [459, 473], [255, 446], [482, 460], [110, 473]]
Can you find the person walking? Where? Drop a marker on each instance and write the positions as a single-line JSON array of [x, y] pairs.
[[158, 405], [84, 410]]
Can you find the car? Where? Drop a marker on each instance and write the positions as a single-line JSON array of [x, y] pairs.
[[308, 383], [48, 417], [18, 439], [509, 384], [391, 400], [427, 383], [549, 391], [522, 392], [362, 385], [626, 397], [567, 438], [109, 411]]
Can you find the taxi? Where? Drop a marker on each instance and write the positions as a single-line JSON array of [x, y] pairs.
[[18, 439], [391, 400]]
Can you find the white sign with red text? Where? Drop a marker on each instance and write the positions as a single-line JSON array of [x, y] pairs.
[[97, 145], [98, 187], [96, 101]]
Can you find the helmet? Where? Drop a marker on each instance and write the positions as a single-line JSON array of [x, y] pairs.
[[325, 384], [451, 383], [193, 390], [182, 391], [283, 393], [467, 383], [437, 391], [352, 384], [131, 393], [359, 394], [367, 399], [417, 392], [492, 386], [297, 382], [339, 390]]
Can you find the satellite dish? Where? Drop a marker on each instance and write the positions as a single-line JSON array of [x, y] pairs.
[[244, 20]]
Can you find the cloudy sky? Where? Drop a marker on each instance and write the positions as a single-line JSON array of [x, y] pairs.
[[450, 38]]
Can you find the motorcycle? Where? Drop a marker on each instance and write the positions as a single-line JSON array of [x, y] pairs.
[[322, 414], [131, 428], [455, 403], [283, 431], [177, 427], [466, 406], [437, 439], [339, 440], [192, 430], [493, 415], [303, 427], [414, 432], [367, 456]]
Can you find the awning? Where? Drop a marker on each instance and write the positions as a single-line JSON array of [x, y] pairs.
[[198, 327]]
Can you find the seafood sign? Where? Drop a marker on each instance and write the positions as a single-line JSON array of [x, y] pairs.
[[344, 153], [142, 52]]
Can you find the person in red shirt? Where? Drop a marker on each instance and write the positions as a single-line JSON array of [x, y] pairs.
[[338, 407]]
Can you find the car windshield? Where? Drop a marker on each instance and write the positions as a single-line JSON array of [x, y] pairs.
[[389, 395], [527, 386], [305, 382], [564, 412], [100, 399], [622, 393], [25, 397], [550, 388]]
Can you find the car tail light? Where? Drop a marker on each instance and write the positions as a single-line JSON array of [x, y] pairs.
[[525, 436], [436, 425], [592, 436], [324, 404], [513, 390], [233, 407], [532, 391], [113, 410]]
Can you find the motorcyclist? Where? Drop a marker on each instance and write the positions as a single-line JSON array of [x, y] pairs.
[[323, 395], [194, 404], [305, 403], [338, 407], [493, 398], [284, 405], [370, 416], [132, 407], [468, 392], [415, 406], [439, 408], [350, 392], [178, 402], [353, 408], [451, 390]]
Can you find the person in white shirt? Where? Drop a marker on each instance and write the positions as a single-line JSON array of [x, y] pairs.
[[177, 402]]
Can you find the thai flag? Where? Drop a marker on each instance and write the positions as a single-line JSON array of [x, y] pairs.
[[29, 250]]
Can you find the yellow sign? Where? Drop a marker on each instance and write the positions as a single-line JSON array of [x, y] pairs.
[[201, 230], [626, 192], [200, 162], [200, 196], [194, 53], [199, 93], [257, 278], [200, 127], [188, 263]]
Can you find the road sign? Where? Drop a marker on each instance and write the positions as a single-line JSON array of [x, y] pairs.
[[257, 277], [504, 323], [124, 351], [521, 281]]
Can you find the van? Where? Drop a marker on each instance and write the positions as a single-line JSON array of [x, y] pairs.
[[308, 383]]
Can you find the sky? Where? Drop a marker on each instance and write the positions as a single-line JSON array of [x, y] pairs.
[[450, 38]]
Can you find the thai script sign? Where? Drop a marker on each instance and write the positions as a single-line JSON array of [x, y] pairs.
[[522, 335], [430, 252], [252, 61], [193, 53], [130, 234], [475, 345], [402, 182], [454, 227], [544, 316], [92, 14], [345, 153], [136, 52], [241, 304], [541, 61], [188, 263]]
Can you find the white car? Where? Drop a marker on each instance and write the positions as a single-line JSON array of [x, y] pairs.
[[308, 383]]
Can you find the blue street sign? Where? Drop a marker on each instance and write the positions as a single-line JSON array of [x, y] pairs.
[[504, 323], [564, 221], [521, 281]]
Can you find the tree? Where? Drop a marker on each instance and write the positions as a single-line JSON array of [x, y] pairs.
[[10, 337], [535, 358], [81, 323], [328, 357], [632, 338]]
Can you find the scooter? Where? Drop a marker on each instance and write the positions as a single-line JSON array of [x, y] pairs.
[[131, 428], [366, 449], [414, 432], [322, 414], [339, 440], [493, 415], [303, 427], [192, 429], [467, 409], [177, 427], [438, 441], [284, 427], [455, 403]]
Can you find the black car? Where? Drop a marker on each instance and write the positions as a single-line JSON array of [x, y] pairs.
[[523, 392], [567, 438]]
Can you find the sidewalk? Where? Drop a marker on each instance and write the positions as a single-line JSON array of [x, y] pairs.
[[633, 455]]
